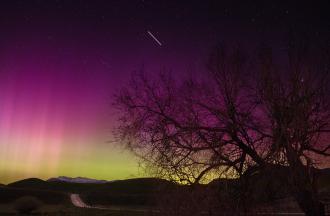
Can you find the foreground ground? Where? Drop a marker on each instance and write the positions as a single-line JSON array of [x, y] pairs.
[[134, 197], [59, 210], [68, 210]]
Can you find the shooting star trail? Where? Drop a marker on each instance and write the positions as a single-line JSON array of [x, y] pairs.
[[153, 37]]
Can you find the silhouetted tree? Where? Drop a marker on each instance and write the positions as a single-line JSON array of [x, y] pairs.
[[238, 120], [297, 110]]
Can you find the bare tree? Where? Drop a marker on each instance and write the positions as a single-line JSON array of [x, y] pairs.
[[298, 112], [231, 123]]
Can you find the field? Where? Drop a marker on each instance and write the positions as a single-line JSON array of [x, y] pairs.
[[63, 210], [137, 197], [124, 198]]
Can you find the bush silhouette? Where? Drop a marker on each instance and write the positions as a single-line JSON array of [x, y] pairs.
[[27, 204]]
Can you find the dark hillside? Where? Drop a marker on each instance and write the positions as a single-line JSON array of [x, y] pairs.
[[8, 195], [266, 186], [324, 179], [140, 191], [34, 183]]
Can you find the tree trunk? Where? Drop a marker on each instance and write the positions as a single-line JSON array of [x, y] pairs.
[[309, 203], [304, 187], [305, 190]]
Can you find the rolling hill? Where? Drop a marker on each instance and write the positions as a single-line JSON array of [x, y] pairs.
[[139, 191], [8, 195], [268, 185], [324, 179], [146, 191], [59, 186]]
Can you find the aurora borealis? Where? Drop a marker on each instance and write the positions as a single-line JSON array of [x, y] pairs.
[[55, 117], [61, 62]]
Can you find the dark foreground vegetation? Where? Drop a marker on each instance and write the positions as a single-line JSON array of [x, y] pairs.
[[150, 196]]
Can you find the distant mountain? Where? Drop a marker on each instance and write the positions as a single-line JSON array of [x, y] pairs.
[[80, 180], [53, 185]]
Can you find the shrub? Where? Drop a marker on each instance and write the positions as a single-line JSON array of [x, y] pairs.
[[27, 204]]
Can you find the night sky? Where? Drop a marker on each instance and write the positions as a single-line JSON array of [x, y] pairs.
[[62, 61]]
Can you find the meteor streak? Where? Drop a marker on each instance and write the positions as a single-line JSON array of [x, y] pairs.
[[159, 43]]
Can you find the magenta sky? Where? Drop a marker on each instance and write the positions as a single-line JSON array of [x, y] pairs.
[[58, 74], [61, 62]]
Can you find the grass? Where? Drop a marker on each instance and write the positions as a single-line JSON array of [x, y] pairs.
[[126, 196], [138, 192], [65, 210], [132, 194], [8, 195]]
